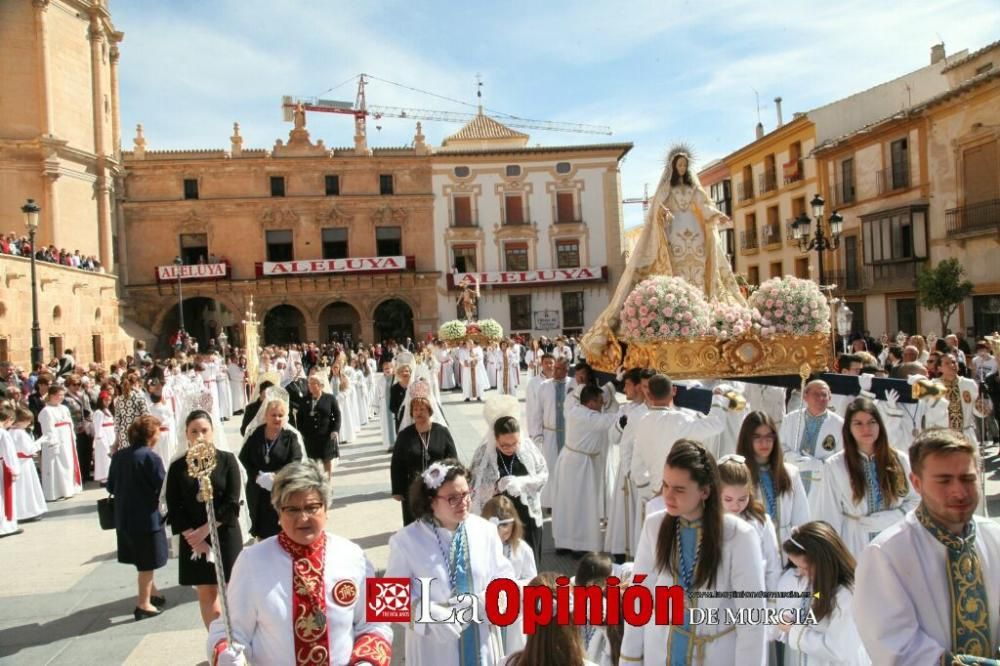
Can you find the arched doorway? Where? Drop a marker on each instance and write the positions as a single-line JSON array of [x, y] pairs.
[[284, 324], [204, 319], [393, 320], [339, 322]]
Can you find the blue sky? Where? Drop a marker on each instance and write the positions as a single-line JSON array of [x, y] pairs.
[[656, 72]]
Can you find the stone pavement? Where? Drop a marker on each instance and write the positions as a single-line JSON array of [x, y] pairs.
[[65, 600]]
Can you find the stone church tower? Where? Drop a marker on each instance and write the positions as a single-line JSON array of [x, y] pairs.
[[59, 145]]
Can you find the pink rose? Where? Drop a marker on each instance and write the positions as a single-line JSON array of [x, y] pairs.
[[654, 301], [649, 330], [769, 303], [685, 331], [667, 312], [779, 303], [779, 313], [644, 311], [663, 328], [687, 316]]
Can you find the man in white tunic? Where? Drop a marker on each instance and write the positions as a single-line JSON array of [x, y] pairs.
[[548, 427], [927, 588], [60, 469], [623, 534], [546, 366], [474, 379], [663, 425], [811, 435], [581, 496]]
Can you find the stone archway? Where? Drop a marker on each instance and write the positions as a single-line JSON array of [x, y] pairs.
[[339, 321], [393, 320], [204, 319], [284, 324]]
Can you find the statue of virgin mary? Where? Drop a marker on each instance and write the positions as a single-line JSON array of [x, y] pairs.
[[680, 238]]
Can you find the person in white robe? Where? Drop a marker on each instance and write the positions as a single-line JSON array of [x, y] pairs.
[[508, 369], [433, 547], [210, 377], [927, 588], [725, 442], [563, 351], [387, 420], [167, 443], [225, 393], [736, 491], [237, 385], [622, 533], [663, 425], [690, 482], [491, 358], [767, 399], [811, 435], [474, 379], [339, 386], [580, 507], [10, 470], [548, 425], [266, 604], [446, 369], [820, 558], [104, 437], [777, 483], [962, 393], [861, 504], [502, 514], [29, 500], [60, 470], [531, 404]]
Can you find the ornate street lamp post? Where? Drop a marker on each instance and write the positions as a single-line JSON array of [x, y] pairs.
[[31, 211], [179, 263], [820, 242]]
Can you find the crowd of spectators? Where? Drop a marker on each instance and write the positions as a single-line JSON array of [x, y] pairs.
[[21, 247]]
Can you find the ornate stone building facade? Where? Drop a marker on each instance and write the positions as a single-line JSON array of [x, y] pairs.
[[59, 145], [332, 243]]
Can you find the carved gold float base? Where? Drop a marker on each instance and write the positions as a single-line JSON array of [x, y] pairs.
[[709, 357], [478, 338]]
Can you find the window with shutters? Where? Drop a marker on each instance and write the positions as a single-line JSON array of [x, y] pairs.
[[515, 256], [981, 182], [513, 206], [566, 207], [464, 258], [753, 275], [900, 164], [279, 245], [568, 253], [389, 241], [776, 269], [194, 248], [520, 312], [462, 211], [572, 307], [335, 243]]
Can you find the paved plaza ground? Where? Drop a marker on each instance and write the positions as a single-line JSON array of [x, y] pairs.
[[65, 599]]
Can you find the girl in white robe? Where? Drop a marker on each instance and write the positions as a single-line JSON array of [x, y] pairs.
[[501, 512], [60, 470], [866, 487], [777, 483], [340, 387], [463, 554], [237, 388], [9, 473], [104, 438], [225, 394], [705, 549], [736, 491], [834, 640], [29, 500]]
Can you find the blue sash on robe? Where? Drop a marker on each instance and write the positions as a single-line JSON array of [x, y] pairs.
[[468, 644], [679, 645], [560, 415]]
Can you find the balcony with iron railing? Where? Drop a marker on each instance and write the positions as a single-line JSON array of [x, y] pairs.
[[749, 240], [973, 220], [464, 223], [768, 182], [891, 179], [772, 235], [892, 275], [790, 232], [843, 193], [793, 171], [744, 191]]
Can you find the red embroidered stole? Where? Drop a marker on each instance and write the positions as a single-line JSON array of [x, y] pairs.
[[312, 642]]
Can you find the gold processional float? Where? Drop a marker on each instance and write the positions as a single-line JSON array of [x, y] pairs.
[[456, 333]]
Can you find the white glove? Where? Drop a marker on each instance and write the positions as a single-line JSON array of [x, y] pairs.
[[504, 483], [914, 378], [891, 399], [232, 656], [865, 380], [512, 485], [265, 480]]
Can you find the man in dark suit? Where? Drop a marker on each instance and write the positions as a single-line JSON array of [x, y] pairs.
[[297, 389], [250, 412], [319, 423]]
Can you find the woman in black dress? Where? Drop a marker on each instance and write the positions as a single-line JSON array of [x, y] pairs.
[[135, 479], [189, 518], [417, 446], [271, 446]]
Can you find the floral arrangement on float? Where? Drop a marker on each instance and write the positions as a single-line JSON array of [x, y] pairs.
[[666, 323], [456, 332]]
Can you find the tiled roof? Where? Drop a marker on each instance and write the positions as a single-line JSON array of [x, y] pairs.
[[483, 127], [974, 54]]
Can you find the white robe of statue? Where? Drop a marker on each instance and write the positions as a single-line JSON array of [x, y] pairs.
[[902, 598], [852, 520], [60, 469], [581, 499], [415, 551]]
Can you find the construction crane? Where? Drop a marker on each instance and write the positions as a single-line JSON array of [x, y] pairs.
[[644, 200], [361, 111]]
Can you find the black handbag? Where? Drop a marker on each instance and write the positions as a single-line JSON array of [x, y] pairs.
[[106, 512]]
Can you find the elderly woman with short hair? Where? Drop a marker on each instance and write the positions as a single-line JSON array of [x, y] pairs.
[[277, 614], [417, 446]]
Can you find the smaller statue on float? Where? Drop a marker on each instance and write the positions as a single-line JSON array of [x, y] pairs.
[[470, 296]]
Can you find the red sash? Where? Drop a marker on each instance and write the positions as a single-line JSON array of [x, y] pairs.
[[25, 456], [312, 640], [76, 463], [8, 492]]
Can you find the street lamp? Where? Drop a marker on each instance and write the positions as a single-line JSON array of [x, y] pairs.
[[179, 263], [820, 242], [31, 211]]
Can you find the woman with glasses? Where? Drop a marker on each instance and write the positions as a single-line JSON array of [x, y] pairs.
[[462, 554], [189, 518], [779, 487], [417, 446], [300, 597], [867, 488]]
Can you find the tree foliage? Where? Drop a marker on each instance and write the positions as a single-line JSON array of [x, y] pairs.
[[943, 288]]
